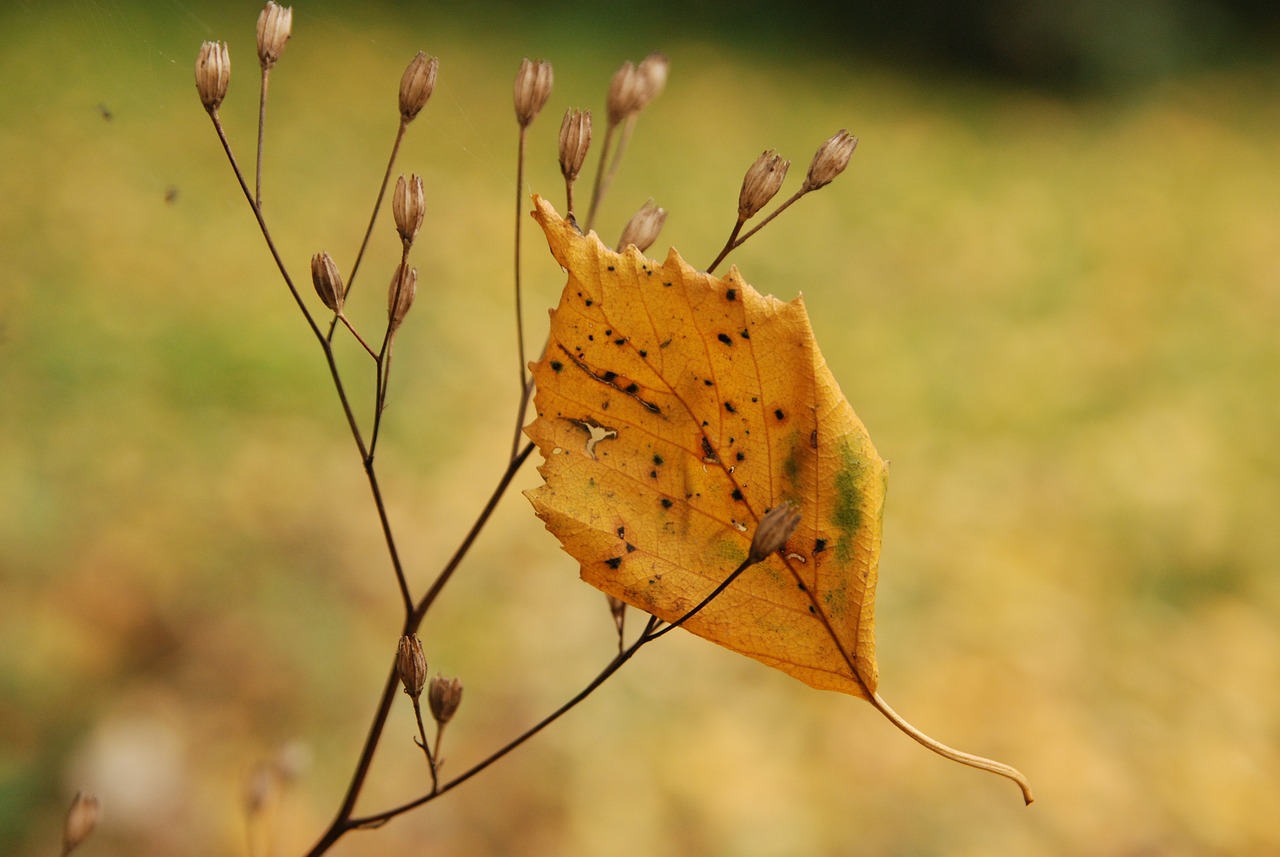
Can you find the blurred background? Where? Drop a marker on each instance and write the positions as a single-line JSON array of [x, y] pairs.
[[1049, 283]]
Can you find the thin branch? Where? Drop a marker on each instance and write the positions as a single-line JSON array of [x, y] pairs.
[[728, 245], [612, 667], [262, 121], [342, 820], [373, 218], [426, 748], [724, 584], [602, 183], [262, 224], [733, 245], [347, 322], [651, 632], [405, 596], [334, 373], [599, 186], [424, 605], [524, 380]]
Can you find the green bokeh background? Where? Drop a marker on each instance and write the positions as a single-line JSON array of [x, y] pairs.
[[1056, 312]]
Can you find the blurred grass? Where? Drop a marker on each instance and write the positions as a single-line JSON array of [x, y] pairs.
[[1057, 319]]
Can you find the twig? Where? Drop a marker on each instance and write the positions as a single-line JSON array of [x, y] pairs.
[[421, 741], [327, 347], [612, 667], [735, 244], [342, 821], [262, 121], [524, 378], [599, 186], [373, 218]]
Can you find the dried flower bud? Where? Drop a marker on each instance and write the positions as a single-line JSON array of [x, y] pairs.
[[653, 74], [411, 665], [443, 696], [213, 74], [275, 23], [417, 84], [408, 205], [626, 93], [404, 285], [532, 89], [830, 160], [575, 139], [82, 817], [775, 528], [327, 280], [643, 227], [761, 183]]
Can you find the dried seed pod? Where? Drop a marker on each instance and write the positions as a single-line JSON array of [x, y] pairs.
[[213, 74], [411, 665], [761, 183], [830, 160], [444, 696], [575, 139], [532, 89], [643, 227], [653, 74], [775, 528], [275, 23], [404, 285], [408, 205], [626, 93], [417, 84], [327, 280], [82, 817]]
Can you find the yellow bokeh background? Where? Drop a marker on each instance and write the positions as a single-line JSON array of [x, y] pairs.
[[1057, 317]]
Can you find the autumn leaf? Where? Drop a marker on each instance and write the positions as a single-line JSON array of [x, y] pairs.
[[675, 409]]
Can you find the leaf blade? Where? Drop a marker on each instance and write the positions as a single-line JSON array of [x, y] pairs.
[[713, 404]]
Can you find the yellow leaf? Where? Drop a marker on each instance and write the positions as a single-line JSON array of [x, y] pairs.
[[675, 409]]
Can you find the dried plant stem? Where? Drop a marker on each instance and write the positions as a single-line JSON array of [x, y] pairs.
[[383, 357], [373, 218], [266, 234], [524, 378], [612, 667], [435, 759], [652, 631], [426, 748], [998, 768], [628, 128], [327, 347], [437, 586], [347, 323], [385, 522], [734, 243], [262, 122], [600, 185], [342, 822], [724, 584], [728, 245], [605, 177]]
